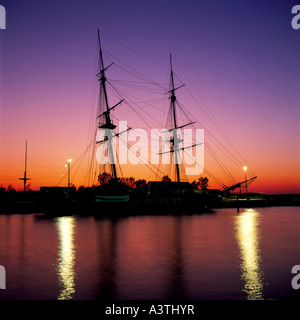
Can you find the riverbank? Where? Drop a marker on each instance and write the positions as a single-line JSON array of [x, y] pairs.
[[72, 201]]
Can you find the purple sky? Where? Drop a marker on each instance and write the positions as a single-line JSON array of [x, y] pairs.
[[241, 57]]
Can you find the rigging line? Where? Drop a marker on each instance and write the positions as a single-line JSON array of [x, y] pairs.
[[92, 122], [94, 177], [221, 130], [225, 150], [93, 110], [215, 179], [92, 166], [146, 104], [145, 163], [120, 95], [215, 156], [222, 145], [164, 117], [61, 180], [144, 89], [138, 107], [132, 129], [136, 52], [157, 169], [82, 156], [183, 111], [221, 166], [203, 109], [212, 176], [140, 88], [57, 168], [140, 117], [128, 99], [136, 74], [219, 163], [139, 82], [119, 166]]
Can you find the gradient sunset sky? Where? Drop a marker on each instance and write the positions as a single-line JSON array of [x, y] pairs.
[[239, 58]]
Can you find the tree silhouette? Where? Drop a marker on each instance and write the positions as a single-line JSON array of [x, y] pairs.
[[104, 178], [141, 183], [165, 179], [130, 182], [10, 188], [202, 183]]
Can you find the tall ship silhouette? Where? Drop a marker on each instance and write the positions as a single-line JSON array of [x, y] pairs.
[[171, 185]]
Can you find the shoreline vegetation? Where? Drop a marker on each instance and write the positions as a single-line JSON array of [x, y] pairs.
[[163, 197]]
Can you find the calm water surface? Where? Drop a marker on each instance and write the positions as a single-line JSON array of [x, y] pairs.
[[224, 255]]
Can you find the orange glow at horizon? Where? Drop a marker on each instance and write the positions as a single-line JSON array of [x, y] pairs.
[[240, 82], [44, 170]]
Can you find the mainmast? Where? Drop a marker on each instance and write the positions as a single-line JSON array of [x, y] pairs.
[[174, 140], [107, 123], [25, 179]]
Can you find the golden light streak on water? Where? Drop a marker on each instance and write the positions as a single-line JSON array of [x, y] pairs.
[[66, 267], [247, 225]]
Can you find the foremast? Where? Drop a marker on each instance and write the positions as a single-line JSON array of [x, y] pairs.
[[107, 124]]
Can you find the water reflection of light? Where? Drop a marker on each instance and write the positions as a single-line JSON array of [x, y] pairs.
[[247, 224], [66, 268]]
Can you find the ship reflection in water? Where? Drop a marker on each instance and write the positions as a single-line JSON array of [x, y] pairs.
[[66, 267], [247, 226], [225, 255], [135, 261]]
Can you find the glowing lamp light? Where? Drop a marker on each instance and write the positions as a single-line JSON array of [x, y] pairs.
[[68, 165], [245, 169]]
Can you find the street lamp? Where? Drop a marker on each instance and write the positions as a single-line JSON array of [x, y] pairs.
[[68, 165], [245, 169]]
